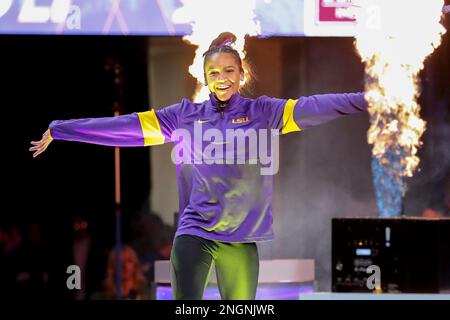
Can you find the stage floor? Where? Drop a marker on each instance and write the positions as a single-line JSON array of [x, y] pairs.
[[372, 296]]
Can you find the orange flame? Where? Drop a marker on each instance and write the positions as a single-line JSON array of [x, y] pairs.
[[393, 39]]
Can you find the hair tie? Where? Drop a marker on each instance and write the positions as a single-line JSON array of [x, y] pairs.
[[227, 42]]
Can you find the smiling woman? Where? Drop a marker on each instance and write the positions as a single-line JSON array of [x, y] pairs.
[[223, 67], [224, 207]]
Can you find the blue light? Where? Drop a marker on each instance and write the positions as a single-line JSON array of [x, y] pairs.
[[272, 291], [363, 252], [389, 182]]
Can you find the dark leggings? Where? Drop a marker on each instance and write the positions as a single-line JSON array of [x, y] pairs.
[[237, 267]]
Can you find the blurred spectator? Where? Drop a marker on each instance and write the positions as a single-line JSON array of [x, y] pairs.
[[10, 242], [12, 239], [152, 240], [81, 248], [77, 245], [4, 272], [147, 232], [165, 248], [133, 281], [29, 263]]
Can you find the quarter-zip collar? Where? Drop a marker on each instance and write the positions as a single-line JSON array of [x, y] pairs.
[[222, 106]]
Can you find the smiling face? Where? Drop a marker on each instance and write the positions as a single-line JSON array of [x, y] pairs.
[[223, 75]]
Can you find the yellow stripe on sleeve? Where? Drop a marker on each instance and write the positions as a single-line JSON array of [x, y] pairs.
[[289, 124], [50, 134], [150, 128]]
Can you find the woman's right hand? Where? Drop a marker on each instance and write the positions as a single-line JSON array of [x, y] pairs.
[[41, 145]]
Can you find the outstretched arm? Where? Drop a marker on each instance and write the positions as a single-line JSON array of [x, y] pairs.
[[318, 109], [305, 112], [131, 130]]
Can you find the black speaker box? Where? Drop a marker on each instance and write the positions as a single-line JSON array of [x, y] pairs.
[[413, 254]]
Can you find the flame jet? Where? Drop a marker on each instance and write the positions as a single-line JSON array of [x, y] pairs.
[[393, 39]]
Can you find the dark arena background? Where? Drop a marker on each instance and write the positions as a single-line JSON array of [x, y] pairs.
[[61, 208]]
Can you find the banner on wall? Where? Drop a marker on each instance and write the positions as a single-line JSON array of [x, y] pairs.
[[329, 18], [154, 17]]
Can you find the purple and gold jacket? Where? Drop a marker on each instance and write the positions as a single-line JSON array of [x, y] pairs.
[[224, 200]]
